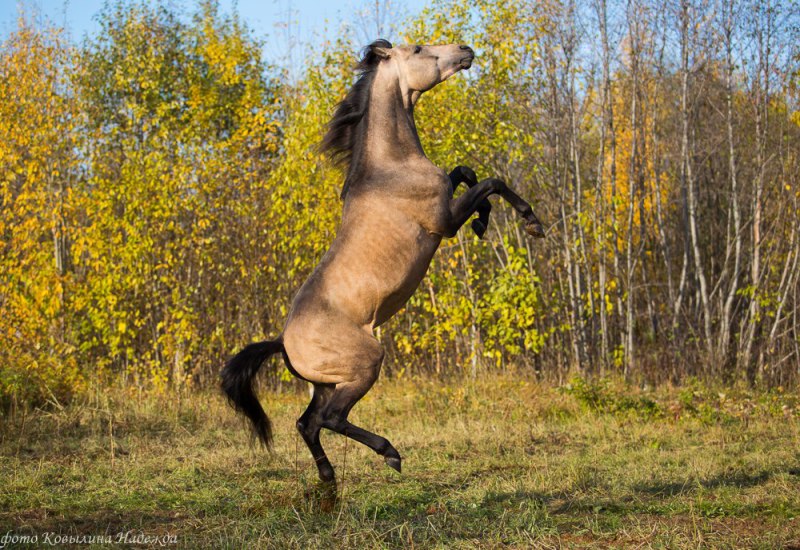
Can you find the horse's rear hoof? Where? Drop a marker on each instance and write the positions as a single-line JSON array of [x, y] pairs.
[[535, 229], [479, 228], [393, 462]]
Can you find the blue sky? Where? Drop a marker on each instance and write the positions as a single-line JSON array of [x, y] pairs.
[[311, 20]]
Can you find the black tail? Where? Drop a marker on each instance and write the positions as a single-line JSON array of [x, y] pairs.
[[237, 382]]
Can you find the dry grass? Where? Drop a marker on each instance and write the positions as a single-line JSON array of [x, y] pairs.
[[498, 462]]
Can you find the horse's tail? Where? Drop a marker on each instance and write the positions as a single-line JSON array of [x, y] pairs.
[[237, 383]]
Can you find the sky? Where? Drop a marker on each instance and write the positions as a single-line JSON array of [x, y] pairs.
[[310, 20]]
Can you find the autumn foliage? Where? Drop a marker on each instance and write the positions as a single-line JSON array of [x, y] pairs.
[[163, 197]]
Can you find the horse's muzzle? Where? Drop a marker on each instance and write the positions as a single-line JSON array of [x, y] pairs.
[[466, 62]]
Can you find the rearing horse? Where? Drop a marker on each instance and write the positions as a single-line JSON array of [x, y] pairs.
[[397, 208]]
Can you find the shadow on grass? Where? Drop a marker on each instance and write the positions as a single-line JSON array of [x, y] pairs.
[[573, 501], [740, 480], [556, 503]]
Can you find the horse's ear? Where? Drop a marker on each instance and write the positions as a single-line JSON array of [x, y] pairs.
[[381, 52], [381, 48], [372, 54]]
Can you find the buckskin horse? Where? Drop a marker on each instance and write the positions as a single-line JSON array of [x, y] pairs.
[[398, 206]]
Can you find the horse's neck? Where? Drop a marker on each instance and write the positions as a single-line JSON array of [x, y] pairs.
[[391, 135]]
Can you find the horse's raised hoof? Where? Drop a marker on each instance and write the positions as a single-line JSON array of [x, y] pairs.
[[479, 228], [535, 229], [393, 462]]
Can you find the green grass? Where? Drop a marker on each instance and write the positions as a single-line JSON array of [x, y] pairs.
[[497, 462]]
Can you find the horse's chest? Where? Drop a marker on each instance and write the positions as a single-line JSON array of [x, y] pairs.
[[429, 206]]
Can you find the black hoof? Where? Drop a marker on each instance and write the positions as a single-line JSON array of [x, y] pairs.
[[535, 229], [479, 228], [326, 474], [393, 462]]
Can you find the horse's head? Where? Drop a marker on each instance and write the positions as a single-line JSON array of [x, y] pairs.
[[384, 70], [420, 68]]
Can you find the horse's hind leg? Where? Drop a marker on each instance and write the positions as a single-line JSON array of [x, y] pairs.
[[309, 425], [375, 442], [334, 417]]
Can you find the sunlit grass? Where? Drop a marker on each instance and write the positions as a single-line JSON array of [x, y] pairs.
[[501, 461]]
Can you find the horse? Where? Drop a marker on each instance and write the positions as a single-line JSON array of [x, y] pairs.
[[397, 208]]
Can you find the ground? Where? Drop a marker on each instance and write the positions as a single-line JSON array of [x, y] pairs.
[[502, 461]]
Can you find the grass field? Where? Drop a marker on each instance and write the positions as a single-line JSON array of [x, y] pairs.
[[497, 462]]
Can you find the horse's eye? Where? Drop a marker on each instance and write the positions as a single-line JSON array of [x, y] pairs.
[[417, 49]]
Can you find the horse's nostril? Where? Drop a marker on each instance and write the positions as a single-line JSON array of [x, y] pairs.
[[463, 47]]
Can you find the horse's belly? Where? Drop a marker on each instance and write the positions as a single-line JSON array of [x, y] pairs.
[[394, 302], [402, 281]]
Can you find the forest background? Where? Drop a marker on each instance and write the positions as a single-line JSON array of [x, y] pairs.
[[162, 196]]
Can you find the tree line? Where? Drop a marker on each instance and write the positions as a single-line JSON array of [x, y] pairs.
[[163, 196]]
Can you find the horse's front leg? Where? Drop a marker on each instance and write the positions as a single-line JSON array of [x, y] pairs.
[[463, 174], [462, 208], [533, 226]]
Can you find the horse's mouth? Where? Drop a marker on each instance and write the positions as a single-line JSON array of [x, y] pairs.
[[466, 63]]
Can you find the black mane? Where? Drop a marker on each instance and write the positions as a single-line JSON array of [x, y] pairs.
[[340, 141]]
